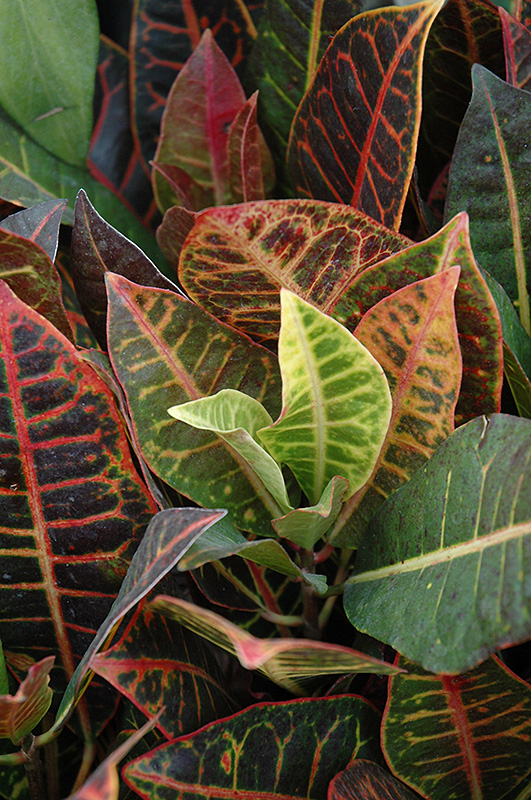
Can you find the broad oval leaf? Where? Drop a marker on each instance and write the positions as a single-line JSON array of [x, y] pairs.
[[469, 734], [48, 56], [235, 259], [336, 401], [22, 712], [354, 135], [489, 179], [166, 350], [443, 572], [276, 750]]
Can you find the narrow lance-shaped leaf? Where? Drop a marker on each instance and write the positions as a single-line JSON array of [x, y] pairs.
[[442, 573], [489, 180], [22, 712], [354, 135], [251, 170], [336, 401], [469, 732], [277, 750], [413, 335]]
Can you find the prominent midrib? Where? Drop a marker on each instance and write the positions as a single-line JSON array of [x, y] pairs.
[[447, 554]]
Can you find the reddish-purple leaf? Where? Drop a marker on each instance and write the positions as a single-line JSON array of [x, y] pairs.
[[202, 104], [365, 780], [181, 189], [98, 248], [251, 170], [271, 750], [236, 259], [158, 663], [517, 48], [20, 713], [177, 224], [31, 274], [40, 224], [354, 135], [72, 506]]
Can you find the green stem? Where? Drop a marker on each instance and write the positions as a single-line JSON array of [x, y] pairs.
[[341, 575], [310, 603]]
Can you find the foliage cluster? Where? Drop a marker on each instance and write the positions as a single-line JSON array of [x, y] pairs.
[[265, 400]]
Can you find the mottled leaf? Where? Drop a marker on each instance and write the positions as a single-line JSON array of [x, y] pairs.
[[287, 662], [40, 224], [21, 713], [365, 780], [489, 180], [442, 570], [235, 259], [354, 135], [72, 506], [98, 248], [48, 57], [250, 167], [165, 350], [517, 48], [167, 537], [412, 334], [202, 104], [469, 732], [522, 12]]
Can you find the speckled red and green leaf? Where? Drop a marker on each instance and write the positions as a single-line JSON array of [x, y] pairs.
[[478, 320], [463, 33], [163, 36], [522, 12], [517, 48], [235, 259], [282, 751], [113, 158], [353, 138], [462, 735], [412, 334], [72, 504], [158, 663], [250, 167], [166, 350]]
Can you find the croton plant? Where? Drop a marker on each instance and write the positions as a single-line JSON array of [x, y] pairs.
[[265, 400]]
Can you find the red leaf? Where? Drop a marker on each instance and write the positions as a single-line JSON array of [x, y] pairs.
[[250, 162], [21, 712]]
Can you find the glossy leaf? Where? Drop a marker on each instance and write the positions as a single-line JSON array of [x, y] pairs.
[[29, 174], [441, 573], [412, 334], [250, 167], [235, 259], [336, 401], [470, 732], [287, 662], [202, 104], [167, 537], [165, 350], [354, 136], [488, 178], [365, 780], [277, 750], [21, 713], [164, 35], [48, 59], [40, 224], [30, 273], [477, 318], [463, 33], [72, 506], [104, 783], [305, 526], [158, 664], [98, 248], [517, 48], [236, 417]]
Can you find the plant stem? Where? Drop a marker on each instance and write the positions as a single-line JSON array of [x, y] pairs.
[[33, 767], [310, 607], [341, 575]]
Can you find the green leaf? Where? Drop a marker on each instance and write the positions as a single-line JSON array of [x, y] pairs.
[[305, 526], [463, 736], [336, 401], [286, 662], [48, 58], [236, 417], [271, 750], [443, 572], [21, 713], [489, 179]]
